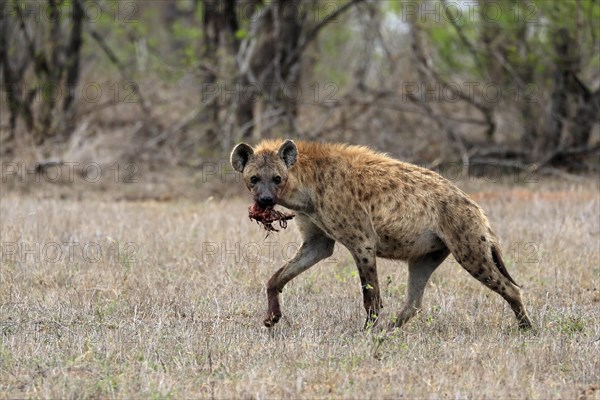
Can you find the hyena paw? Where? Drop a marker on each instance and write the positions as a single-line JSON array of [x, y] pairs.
[[372, 321], [271, 319], [525, 324]]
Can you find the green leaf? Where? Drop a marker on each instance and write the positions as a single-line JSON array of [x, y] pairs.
[[241, 34]]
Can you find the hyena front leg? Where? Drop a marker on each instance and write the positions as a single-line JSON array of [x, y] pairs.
[[419, 272], [313, 249]]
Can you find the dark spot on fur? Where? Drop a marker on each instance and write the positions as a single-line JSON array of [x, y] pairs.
[[482, 238], [386, 237], [365, 260], [359, 251], [372, 270]]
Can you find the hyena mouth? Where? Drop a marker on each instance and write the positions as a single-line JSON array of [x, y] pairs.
[[266, 216]]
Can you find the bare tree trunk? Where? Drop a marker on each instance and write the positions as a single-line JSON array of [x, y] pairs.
[[586, 117], [52, 77], [219, 25], [277, 65], [74, 53], [7, 72], [12, 77], [560, 77], [51, 60], [268, 60]]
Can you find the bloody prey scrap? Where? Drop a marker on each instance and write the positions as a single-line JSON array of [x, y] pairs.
[[266, 216]]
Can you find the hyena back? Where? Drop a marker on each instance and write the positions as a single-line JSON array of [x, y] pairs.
[[375, 206]]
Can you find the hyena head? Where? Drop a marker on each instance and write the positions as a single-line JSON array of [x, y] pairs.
[[265, 172]]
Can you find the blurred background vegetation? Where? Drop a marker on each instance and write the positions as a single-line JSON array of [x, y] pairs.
[[513, 83]]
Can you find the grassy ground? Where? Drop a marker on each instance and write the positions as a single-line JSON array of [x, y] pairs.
[[102, 298]]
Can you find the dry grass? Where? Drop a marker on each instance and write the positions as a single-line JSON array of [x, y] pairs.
[[177, 313]]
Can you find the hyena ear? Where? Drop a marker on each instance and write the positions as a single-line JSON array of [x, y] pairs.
[[288, 152], [240, 156]]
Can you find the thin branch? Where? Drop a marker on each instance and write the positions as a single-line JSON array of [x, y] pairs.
[[265, 116], [506, 65], [40, 61], [312, 35], [180, 125], [315, 31], [351, 101], [578, 151], [427, 69], [461, 34], [122, 69]]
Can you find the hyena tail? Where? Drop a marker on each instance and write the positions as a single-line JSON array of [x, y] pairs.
[[500, 264]]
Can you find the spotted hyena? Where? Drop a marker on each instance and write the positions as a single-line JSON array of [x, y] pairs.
[[375, 206]]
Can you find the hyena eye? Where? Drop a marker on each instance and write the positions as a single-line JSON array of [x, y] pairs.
[[254, 179], [277, 180]]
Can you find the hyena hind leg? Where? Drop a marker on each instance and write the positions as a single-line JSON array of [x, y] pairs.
[[419, 272], [493, 274], [367, 271]]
